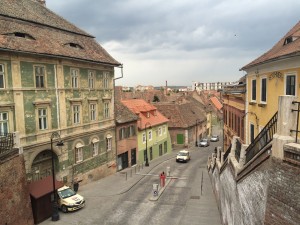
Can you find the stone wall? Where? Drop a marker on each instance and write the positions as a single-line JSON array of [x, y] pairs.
[[283, 204], [14, 193], [269, 194]]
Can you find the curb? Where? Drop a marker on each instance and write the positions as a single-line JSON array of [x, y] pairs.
[[155, 198]]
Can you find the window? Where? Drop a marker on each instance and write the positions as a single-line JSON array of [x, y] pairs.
[[150, 135], [95, 146], [144, 138], [76, 114], [43, 125], [122, 133], [253, 89], [92, 112], [251, 133], [91, 79], [106, 110], [164, 129], [74, 78], [165, 147], [159, 131], [132, 131], [263, 97], [290, 86], [39, 72], [108, 143], [160, 150], [106, 80], [3, 123], [78, 155], [2, 76]]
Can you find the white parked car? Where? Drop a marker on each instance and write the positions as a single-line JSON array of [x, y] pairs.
[[183, 156], [69, 200], [214, 138]]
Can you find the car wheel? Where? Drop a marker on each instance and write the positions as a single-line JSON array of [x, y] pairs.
[[64, 208]]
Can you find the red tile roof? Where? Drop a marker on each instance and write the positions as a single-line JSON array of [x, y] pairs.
[[49, 34], [141, 108], [280, 50], [42, 187], [216, 102]]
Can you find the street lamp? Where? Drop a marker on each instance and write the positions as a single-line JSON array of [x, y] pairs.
[[147, 162], [55, 215], [197, 121]]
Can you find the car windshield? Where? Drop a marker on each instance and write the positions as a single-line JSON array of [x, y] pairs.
[[66, 193], [182, 154], [214, 136], [204, 140]]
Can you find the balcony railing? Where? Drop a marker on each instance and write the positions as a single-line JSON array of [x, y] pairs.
[[6, 142], [262, 139]]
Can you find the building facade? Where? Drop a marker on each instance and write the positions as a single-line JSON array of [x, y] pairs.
[[56, 83], [153, 136], [273, 74], [234, 97], [126, 131]]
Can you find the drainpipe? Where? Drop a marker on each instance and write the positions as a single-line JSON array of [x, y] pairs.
[[116, 133]]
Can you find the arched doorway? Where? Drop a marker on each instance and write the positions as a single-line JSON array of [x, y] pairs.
[[42, 165]]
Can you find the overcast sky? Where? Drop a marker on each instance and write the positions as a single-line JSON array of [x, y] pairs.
[[181, 41]]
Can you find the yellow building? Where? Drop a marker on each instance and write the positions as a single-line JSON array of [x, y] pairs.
[[274, 73]]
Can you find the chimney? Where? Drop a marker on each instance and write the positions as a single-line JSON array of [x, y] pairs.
[[43, 2]]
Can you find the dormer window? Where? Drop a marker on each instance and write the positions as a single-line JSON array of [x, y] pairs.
[[290, 39], [21, 35], [74, 45], [148, 114]]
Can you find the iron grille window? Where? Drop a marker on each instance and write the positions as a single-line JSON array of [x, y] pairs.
[[290, 85]]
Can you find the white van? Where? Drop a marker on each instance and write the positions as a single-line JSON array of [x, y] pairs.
[[183, 156], [69, 200]]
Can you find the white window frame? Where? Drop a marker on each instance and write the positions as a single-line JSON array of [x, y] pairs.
[[285, 82], [74, 78], [76, 113], [41, 82], [43, 118], [95, 146], [106, 80], [91, 79], [261, 90], [78, 155], [2, 76], [108, 143], [150, 135], [159, 131], [144, 137], [4, 123], [93, 111], [106, 110], [164, 129]]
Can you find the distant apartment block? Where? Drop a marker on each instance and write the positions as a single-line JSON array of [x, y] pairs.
[[209, 86]]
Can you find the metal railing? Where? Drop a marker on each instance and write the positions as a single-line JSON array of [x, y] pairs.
[[226, 153], [262, 139], [297, 123], [6, 142]]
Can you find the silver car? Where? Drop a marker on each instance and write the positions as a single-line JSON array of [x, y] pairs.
[[204, 142]]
